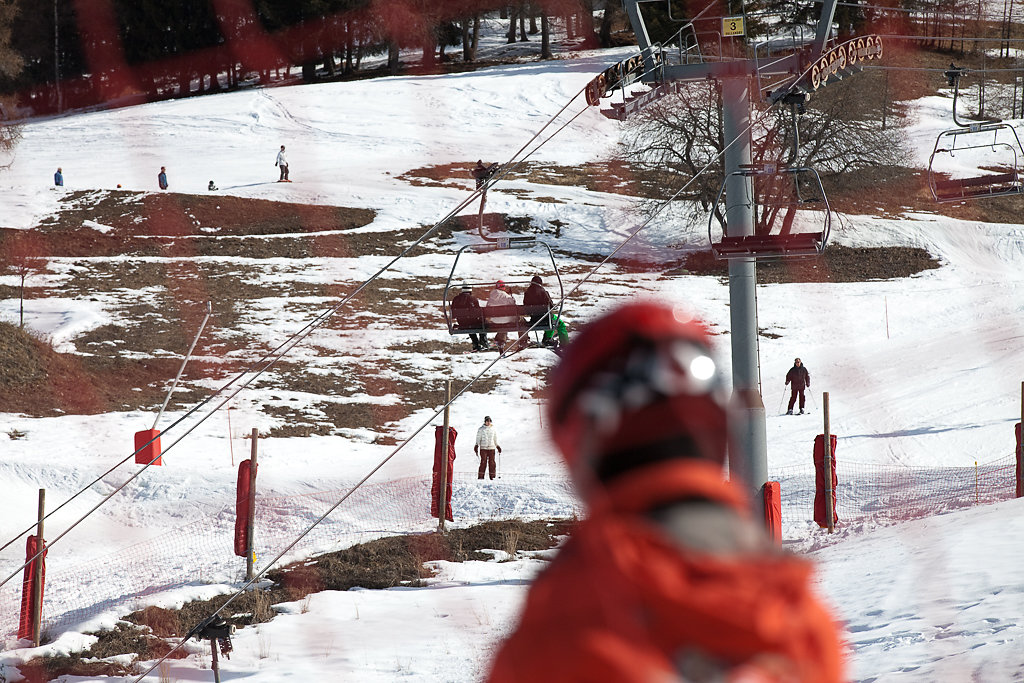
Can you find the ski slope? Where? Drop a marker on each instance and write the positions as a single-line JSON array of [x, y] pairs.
[[923, 371]]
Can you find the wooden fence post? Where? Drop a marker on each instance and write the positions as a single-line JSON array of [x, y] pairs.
[[442, 503], [829, 508], [37, 587], [250, 547]]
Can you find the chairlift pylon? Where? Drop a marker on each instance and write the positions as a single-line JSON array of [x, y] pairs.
[[990, 151]]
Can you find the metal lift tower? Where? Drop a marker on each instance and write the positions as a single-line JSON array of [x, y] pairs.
[[748, 459]]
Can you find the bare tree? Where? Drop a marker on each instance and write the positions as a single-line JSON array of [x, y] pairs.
[[21, 253], [679, 139]]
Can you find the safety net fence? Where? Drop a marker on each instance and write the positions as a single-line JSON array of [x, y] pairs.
[[892, 493], [201, 552]]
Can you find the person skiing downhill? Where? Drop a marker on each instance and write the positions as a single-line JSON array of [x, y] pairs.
[[669, 577], [799, 378]]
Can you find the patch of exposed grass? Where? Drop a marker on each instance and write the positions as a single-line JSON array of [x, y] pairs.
[[20, 357], [836, 264]]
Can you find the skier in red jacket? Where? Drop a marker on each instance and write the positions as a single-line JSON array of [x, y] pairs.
[[669, 578]]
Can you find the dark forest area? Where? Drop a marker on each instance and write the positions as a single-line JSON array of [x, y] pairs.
[[72, 54], [61, 55]]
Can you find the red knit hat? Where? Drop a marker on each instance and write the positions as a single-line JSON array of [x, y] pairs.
[[636, 386]]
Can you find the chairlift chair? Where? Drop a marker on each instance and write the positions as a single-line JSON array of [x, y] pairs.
[[521, 314], [784, 198], [993, 163], [1001, 153]]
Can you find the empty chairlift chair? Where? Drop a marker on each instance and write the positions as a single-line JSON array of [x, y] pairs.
[[792, 216], [976, 159]]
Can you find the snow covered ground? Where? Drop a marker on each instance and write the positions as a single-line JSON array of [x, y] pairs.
[[923, 371]]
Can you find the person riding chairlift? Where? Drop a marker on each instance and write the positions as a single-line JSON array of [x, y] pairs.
[[468, 315], [483, 173]]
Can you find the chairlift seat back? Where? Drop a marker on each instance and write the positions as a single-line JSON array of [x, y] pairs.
[[770, 246]]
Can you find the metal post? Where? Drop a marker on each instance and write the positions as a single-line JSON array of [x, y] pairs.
[[37, 586], [231, 445], [250, 548], [829, 508], [636, 20], [442, 503], [748, 459], [216, 664], [56, 57]]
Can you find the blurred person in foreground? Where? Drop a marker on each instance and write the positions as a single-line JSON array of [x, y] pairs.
[[669, 578]]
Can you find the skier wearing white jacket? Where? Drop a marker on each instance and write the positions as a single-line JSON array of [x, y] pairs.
[[282, 164], [486, 444]]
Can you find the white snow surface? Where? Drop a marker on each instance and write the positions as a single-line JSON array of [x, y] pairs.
[[922, 372]]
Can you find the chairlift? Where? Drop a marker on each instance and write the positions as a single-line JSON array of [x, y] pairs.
[[786, 202], [989, 152], [522, 316]]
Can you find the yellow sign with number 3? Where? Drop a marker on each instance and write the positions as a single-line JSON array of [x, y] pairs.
[[732, 26]]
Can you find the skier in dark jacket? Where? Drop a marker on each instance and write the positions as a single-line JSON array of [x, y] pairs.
[[537, 302], [483, 173], [799, 378], [161, 178], [469, 315], [58, 178]]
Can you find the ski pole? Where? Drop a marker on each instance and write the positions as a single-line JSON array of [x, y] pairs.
[[781, 399]]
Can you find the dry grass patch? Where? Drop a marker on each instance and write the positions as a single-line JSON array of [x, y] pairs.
[[618, 177], [38, 381], [836, 264], [20, 357]]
